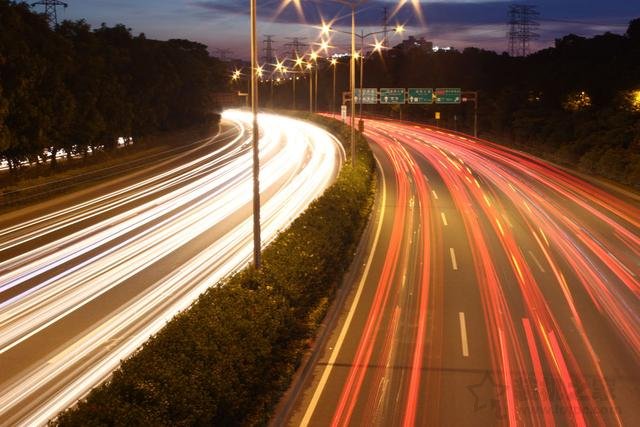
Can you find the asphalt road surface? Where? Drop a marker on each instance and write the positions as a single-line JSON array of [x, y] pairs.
[[85, 279], [494, 289]]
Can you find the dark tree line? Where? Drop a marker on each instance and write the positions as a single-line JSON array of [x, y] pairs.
[[76, 88], [571, 103]]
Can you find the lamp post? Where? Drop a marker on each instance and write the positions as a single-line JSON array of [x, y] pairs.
[[352, 83], [334, 62], [353, 4], [352, 79], [377, 47], [313, 57], [315, 98], [271, 92], [294, 90], [294, 77], [310, 69], [298, 64], [280, 69], [235, 77], [256, 139], [324, 46]]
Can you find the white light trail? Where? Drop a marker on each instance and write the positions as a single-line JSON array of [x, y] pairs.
[[66, 274]]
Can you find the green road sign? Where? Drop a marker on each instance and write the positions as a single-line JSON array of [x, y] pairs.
[[391, 95], [420, 96], [369, 96], [448, 95]]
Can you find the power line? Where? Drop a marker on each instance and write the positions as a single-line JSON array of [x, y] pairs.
[[50, 9], [296, 48], [269, 55], [521, 28], [385, 23]]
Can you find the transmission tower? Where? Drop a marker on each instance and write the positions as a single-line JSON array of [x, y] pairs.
[[385, 24], [50, 9], [269, 55], [521, 28], [296, 47]]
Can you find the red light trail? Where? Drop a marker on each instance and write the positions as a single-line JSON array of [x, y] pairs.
[[543, 265]]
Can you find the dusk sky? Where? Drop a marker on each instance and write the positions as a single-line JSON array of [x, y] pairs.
[[460, 23]]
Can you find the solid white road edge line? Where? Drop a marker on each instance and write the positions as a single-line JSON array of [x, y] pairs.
[[343, 332]]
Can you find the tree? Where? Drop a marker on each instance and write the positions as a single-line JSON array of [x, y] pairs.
[[4, 131], [633, 31]]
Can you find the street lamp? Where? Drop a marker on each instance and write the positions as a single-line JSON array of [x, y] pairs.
[[256, 138], [298, 64], [326, 28], [352, 74], [310, 69], [377, 47], [324, 46], [235, 77], [334, 63], [353, 4], [281, 69], [314, 57], [294, 77]]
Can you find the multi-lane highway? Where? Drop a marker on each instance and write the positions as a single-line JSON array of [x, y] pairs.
[[87, 278], [494, 289]]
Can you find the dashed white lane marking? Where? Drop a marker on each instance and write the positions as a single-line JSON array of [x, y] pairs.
[[537, 261], [444, 219], [454, 262], [463, 334]]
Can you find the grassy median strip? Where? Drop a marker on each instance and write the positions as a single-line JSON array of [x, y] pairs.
[[229, 357]]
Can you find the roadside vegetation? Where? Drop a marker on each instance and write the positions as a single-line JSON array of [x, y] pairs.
[[78, 90], [41, 182], [229, 357]]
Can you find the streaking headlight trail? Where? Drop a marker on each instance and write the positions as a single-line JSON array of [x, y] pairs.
[[99, 277]]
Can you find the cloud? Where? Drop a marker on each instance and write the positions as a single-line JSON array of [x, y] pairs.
[[314, 11], [460, 23], [436, 13]]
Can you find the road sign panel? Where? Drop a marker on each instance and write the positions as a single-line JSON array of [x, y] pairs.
[[420, 96], [392, 95], [369, 96], [448, 95]]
